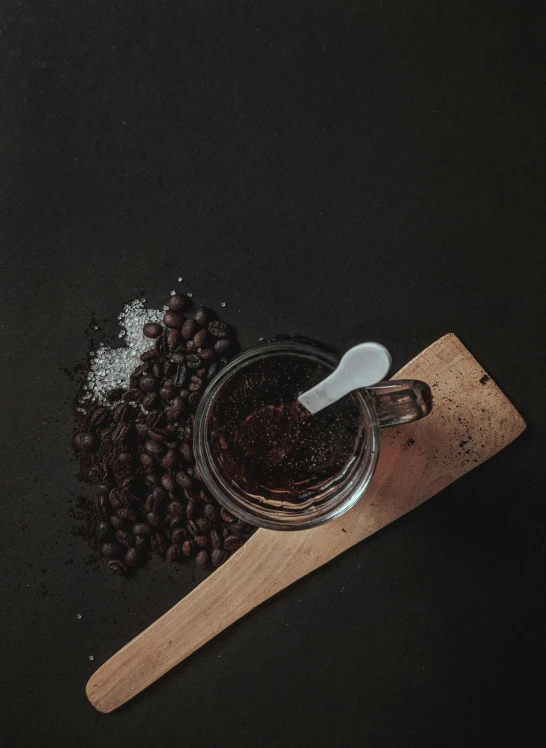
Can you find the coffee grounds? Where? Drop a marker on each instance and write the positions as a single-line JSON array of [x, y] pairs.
[[134, 443], [268, 434]]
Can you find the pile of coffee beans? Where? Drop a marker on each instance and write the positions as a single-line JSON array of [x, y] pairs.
[[138, 450]]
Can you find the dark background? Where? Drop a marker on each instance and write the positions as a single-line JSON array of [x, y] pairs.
[[343, 170]]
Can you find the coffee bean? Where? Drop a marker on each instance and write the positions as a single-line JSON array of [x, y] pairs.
[[173, 339], [189, 329], [124, 538], [115, 498], [192, 361], [200, 338], [195, 384], [156, 370], [223, 346], [132, 395], [141, 544], [118, 567], [183, 479], [156, 419], [178, 302], [202, 560], [141, 528], [174, 320], [152, 330], [174, 411], [192, 528], [148, 355], [175, 508], [121, 433], [100, 417], [168, 482], [168, 392], [226, 516], [206, 354], [146, 459], [117, 522], [159, 544], [178, 357], [225, 532], [190, 509], [223, 361], [153, 447], [201, 372], [181, 376], [188, 547], [232, 543], [148, 383], [173, 552], [104, 506], [190, 346], [184, 394], [188, 431], [102, 530], [86, 442], [125, 458], [141, 430], [161, 346], [219, 557], [215, 539], [142, 369], [219, 329], [201, 540], [197, 474], [95, 475], [154, 519], [133, 557], [170, 460], [194, 399], [210, 512], [187, 451], [213, 370], [241, 528], [157, 435], [203, 315], [203, 524], [115, 394], [127, 514], [169, 369], [110, 550], [104, 488]]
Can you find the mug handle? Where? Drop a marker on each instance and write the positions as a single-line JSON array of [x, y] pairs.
[[401, 401]]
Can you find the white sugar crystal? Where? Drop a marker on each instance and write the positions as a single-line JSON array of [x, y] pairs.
[[180, 280], [173, 293], [91, 658], [78, 615], [189, 294], [223, 303]]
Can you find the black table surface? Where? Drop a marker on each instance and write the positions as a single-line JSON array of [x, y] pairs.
[[341, 170]]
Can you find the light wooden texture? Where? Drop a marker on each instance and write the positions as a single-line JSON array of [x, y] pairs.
[[471, 421]]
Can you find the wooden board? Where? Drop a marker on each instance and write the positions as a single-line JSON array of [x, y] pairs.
[[470, 422]]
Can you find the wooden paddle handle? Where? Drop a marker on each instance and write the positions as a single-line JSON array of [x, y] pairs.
[[471, 421]]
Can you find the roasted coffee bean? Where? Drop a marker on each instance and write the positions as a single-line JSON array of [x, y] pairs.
[[154, 519], [181, 376], [132, 396], [110, 550], [146, 459], [104, 506], [141, 528], [225, 532], [202, 560], [218, 329], [95, 475], [188, 431], [156, 419], [226, 516], [169, 369], [178, 357], [157, 435], [117, 522], [219, 557], [194, 399], [192, 361], [151, 479], [178, 302], [161, 346], [232, 543], [215, 539], [121, 433], [192, 528], [203, 494], [184, 394], [154, 447], [126, 458], [183, 479], [241, 527], [159, 543], [173, 339], [168, 482], [222, 361], [203, 315], [170, 460], [148, 355], [205, 354], [141, 369], [190, 510], [141, 544], [201, 372], [158, 496], [124, 538], [100, 417], [195, 384], [104, 488], [210, 512], [179, 535], [173, 552], [174, 320], [187, 451], [197, 475], [189, 329], [102, 530], [203, 524], [201, 540], [188, 547], [126, 513], [190, 495], [152, 330], [86, 442], [172, 442], [157, 370], [118, 567], [168, 392], [115, 394], [223, 346], [149, 400], [190, 347], [200, 338], [148, 383], [175, 508], [133, 557], [141, 430], [115, 498]]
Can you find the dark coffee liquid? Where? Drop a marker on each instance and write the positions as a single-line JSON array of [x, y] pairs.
[[267, 444]]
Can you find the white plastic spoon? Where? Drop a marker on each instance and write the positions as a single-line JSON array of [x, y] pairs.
[[362, 366]]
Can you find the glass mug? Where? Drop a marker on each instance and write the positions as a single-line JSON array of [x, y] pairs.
[[386, 404]]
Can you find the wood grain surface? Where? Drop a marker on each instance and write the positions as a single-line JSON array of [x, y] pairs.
[[471, 421]]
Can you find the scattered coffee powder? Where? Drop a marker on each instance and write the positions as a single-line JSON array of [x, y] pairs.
[[133, 440]]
